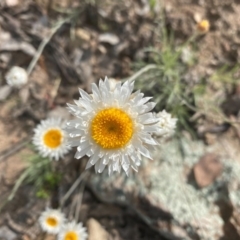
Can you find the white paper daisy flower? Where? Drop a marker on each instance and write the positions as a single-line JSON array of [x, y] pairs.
[[113, 127], [167, 124], [72, 231], [51, 221], [50, 139]]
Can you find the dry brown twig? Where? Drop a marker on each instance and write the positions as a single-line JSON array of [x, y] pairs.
[[17, 228]]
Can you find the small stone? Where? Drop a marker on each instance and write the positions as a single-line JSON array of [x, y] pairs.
[[83, 34], [50, 237], [109, 38], [207, 170], [24, 94], [210, 138], [102, 49], [7, 234], [186, 55], [12, 3], [5, 92], [96, 231], [197, 17]]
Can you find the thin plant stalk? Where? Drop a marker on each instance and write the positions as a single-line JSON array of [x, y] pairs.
[[73, 187]]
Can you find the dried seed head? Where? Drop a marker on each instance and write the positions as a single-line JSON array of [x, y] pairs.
[[16, 77]]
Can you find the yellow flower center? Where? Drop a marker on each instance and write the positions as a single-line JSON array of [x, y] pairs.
[[112, 128], [71, 236], [53, 138], [51, 221]]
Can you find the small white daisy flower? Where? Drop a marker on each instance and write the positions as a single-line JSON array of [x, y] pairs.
[[51, 221], [50, 138], [113, 127], [16, 77], [167, 124], [72, 231]]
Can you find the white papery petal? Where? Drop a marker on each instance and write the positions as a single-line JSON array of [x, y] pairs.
[[101, 166], [151, 128], [95, 158], [74, 142], [82, 152], [96, 93], [144, 152], [110, 169], [83, 145], [116, 165], [133, 165], [106, 160], [125, 163], [88, 164], [84, 95], [147, 138], [96, 166], [147, 116], [147, 107]]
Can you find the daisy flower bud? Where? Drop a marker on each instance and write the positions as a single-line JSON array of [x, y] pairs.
[[203, 26], [50, 139], [16, 77], [72, 231], [167, 124], [113, 127], [51, 221]]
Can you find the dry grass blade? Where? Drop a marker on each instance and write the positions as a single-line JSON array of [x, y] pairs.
[[44, 43], [73, 188]]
